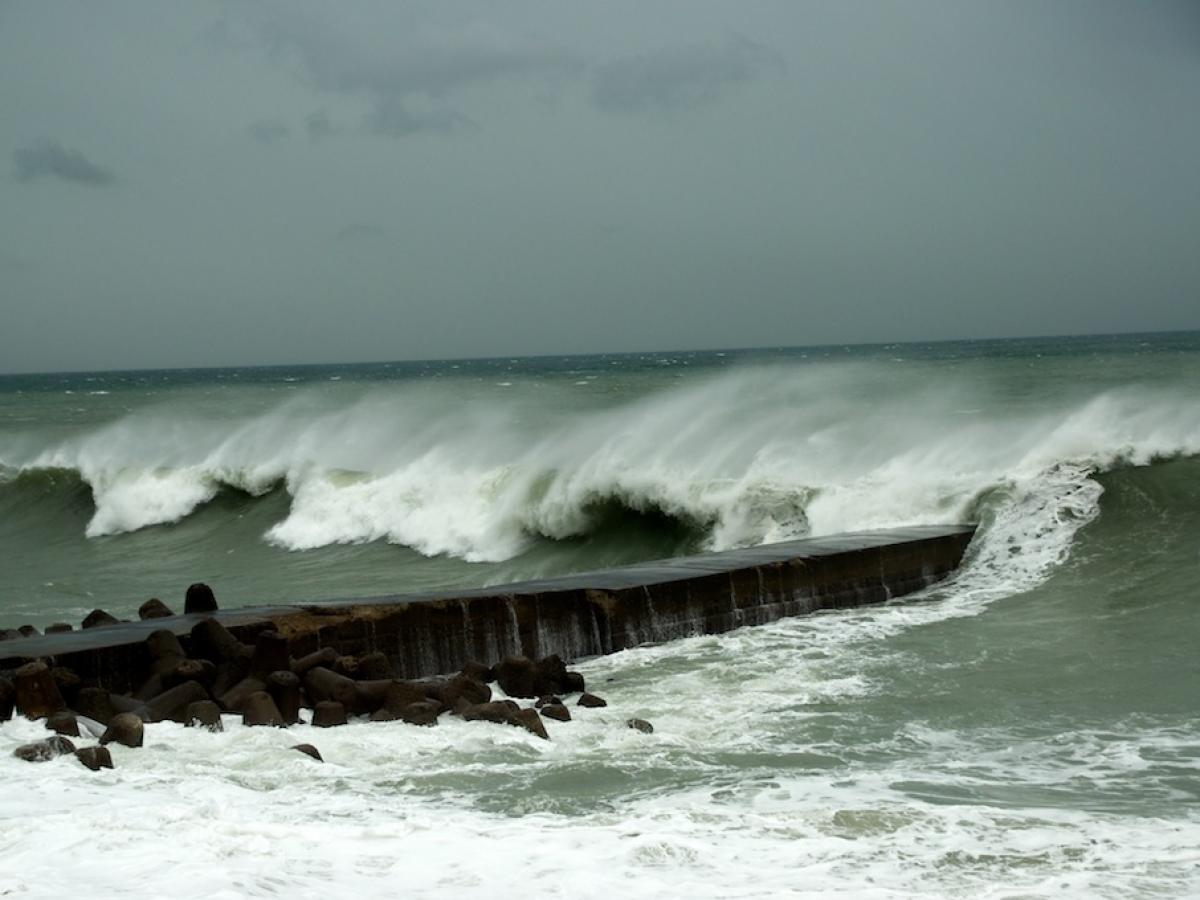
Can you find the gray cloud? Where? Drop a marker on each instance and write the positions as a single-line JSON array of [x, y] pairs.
[[51, 159], [673, 78], [318, 125], [409, 76], [268, 131], [393, 116], [360, 231]]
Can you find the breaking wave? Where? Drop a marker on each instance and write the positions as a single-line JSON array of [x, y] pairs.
[[744, 457]]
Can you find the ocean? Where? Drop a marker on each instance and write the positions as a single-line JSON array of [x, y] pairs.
[[1027, 728]]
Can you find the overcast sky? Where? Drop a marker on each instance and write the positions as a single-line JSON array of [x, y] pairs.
[[238, 183]]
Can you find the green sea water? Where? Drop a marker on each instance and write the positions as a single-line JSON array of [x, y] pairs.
[[1027, 728]]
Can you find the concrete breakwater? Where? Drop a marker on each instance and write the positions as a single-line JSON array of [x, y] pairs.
[[576, 616]]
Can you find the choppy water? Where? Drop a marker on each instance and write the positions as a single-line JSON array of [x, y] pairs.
[[1028, 729]]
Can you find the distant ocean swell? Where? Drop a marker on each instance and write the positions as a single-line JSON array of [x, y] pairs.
[[742, 458]]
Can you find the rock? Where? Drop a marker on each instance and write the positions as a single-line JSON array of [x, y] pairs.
[[173, 704], [309, 750], [203, 714], [154, 609], [165, 651], [591, 700], [63, 722], [506, 713], [125, 728], [212, 640], [521, 677], [10, 634], [199, 599], [260, 709], [556, 711], [28, 631], [8, 698], [323, 684], [640, 725], [284, 688], [328, 713], [270, 655], [460, 687], [401, 694], [553, 672], [235, 698], [370, 695], [95, 758], [325, 657], [518, 677], [122, 703], [383, 714], [37, 693], [41, 751], [423, 712], [477, 671], [550, 700], [495, 711], [228, 674], [59, 628], [202, 671], [347, 667], [95, 703], [98, 618], [531, 722], [375, 667], [573, 683], [67, 682]]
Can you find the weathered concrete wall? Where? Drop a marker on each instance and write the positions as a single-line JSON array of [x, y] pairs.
[[576, 616]]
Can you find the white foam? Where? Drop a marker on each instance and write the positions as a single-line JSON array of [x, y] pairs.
[[751, 456]]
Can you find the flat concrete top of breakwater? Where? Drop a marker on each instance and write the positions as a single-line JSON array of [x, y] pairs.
[[13, 652]]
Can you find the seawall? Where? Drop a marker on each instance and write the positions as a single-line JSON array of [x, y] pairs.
[[574, 616]]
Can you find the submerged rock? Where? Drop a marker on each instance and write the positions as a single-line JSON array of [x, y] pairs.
[[44, 750], [640, 725], [203, 714], [309, 750], [505, 712]]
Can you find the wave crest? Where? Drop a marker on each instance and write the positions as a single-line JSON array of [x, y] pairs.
[[745, 457]]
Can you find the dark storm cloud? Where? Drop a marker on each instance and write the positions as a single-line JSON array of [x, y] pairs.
[[50, 159], [360, 231], [409, 76], [268, 131], [672, 78]]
